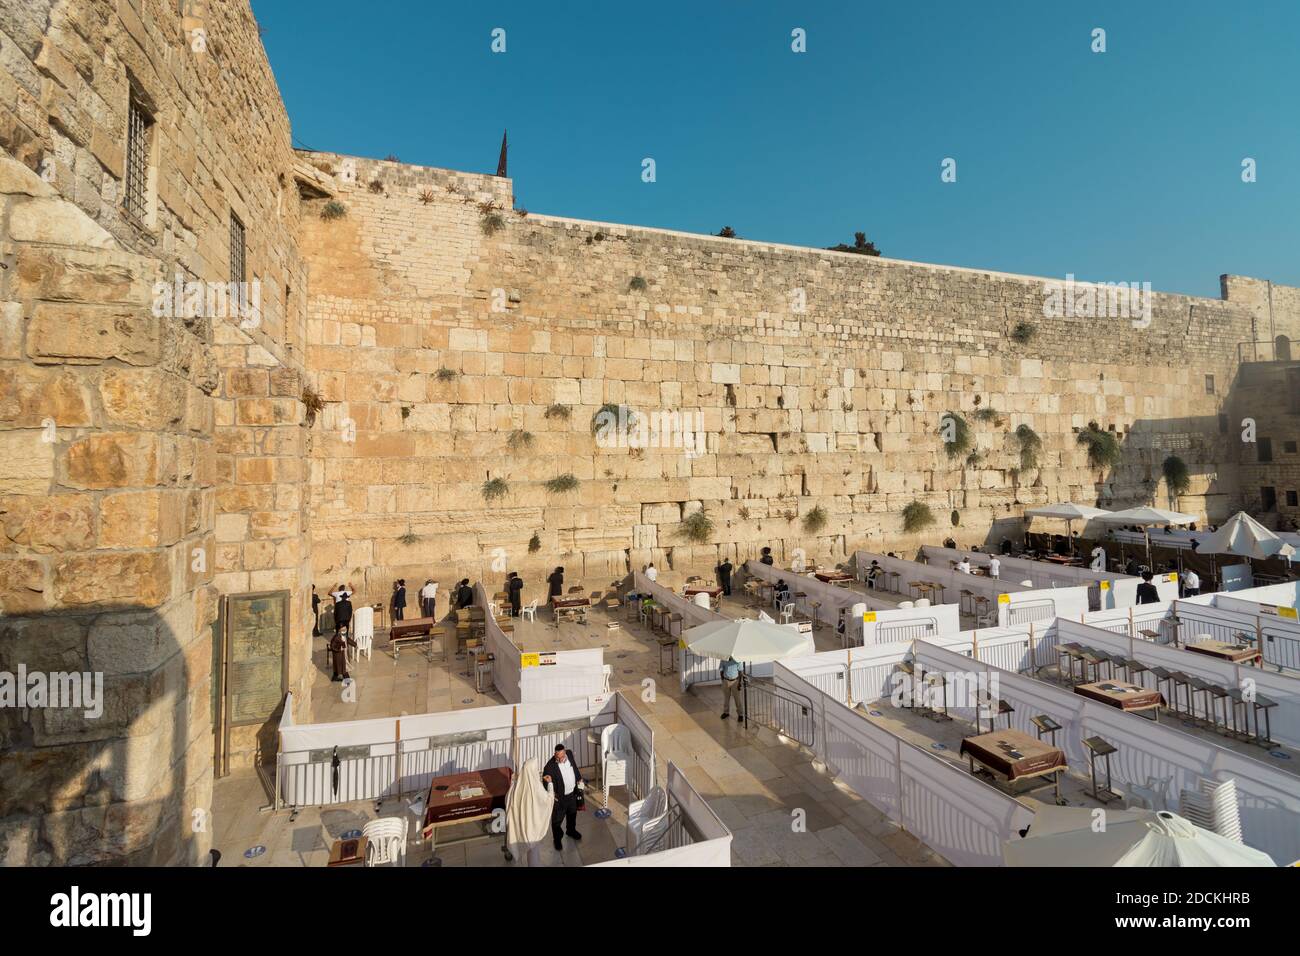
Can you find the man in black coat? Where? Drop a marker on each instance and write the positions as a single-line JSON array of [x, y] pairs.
[[562, 773], [464, 594], [724, 577], [515, 591]]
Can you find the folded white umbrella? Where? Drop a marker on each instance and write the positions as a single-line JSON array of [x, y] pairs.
[[750, 642], [1064, 836], [1241, 534]]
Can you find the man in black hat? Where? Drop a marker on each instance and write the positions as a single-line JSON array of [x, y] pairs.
[[562, 773], [724, 576]]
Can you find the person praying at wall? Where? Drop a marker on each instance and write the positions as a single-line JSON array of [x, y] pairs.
[[515, 592], [341, 591], [995, 568], [399, 599], [554, 585], [651, 573], [724, 576], [464, 594], [341, 639], [1006, 546], [950, 543], [429, 599], [767, 557], [841, 626], [315, 612]]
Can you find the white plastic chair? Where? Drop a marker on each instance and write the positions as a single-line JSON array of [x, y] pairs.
[[615, 756], [922, 602], [787, 613], [387, 837], [646, 818], [1153, 795], [608, 670], [529, 611], [363, 631], [906, 604]]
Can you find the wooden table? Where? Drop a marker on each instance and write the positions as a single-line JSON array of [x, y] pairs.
[[416, 631], [714, 593], [349, 852], [1237, 653], [1122, 694], [574, 606], [837, 578], [1010, 755], [465, 798]]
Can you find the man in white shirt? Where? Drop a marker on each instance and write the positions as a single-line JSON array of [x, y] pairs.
[[651, 574], [1098, 558], [1191, 583], [429, 598], [995, 568], [566, 780], [964, 565]]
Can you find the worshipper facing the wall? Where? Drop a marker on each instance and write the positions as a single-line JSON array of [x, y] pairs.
[[724, 576], [341, 591], [995, 568], [1006, 546], [566, 782], [873, 572], [1191, 583], [651, 573], [766, 557], [341, 639], [949, 543], [730, 671], [464, 594], [315, 612], [1146, 592], [515, 592], [841, 626], [554, 585], [399, 599], [429, 599]]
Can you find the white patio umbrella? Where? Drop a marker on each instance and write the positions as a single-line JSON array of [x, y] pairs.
[[748, 641], [1064, 836], [1148, 518], [1069, 512], [1241, 534]]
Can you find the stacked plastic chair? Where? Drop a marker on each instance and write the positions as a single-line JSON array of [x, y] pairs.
[[1213, 807]]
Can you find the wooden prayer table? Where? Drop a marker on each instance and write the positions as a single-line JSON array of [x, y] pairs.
[[1223, 650], [1122, 695], [349, 852], [465, 798], [1010, 756], [837, 578], [416, 631]]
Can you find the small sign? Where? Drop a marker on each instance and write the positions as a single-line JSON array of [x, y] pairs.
[[1287, 612], [529, 660], [1269, 609], [1004, 598], [1172, 578], [1105, 585], [869, 617]]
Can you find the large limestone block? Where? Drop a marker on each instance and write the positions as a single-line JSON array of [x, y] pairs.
[[24, 587], [114, 460], [75, 333], [26, 462], [33, 397], [48, 523], [56, 222], [140, 578], [143, 398], [141, 519]]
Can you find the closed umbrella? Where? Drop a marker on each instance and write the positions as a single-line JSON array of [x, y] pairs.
[[747, 641], [1241, 534], [1065, 836]]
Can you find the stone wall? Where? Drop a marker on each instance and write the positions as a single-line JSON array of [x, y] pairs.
[[442, 323], [142, 477]]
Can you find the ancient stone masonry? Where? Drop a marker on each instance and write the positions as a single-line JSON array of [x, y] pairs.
[[445, 328]]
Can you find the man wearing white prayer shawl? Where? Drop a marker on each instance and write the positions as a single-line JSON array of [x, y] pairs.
[[528, 812]]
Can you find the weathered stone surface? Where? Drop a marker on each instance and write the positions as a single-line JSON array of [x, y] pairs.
[[141, 519], [145, 398], [26, 462], [33, 397], [113, 579], [75, 333], [45, 524], [114, 460]]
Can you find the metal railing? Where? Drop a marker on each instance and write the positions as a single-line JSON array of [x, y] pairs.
[[781, 710], [908, 631], [1030, 611]]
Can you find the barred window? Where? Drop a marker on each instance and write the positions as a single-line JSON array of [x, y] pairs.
[[138, 128], [238, 264]]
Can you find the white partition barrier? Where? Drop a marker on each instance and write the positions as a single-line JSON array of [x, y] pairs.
[[398, 756], [952, 582], [1269, 800], [1123, 590], [1274, 629], [1044, 574], [955, 814], [855, 675], [883, 622], [696, 836], [1025, 607], [527, 678]]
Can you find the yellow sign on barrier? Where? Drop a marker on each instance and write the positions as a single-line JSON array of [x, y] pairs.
[[530, 660], [1004, 598], [1105, 585], [1287, 612], [869, 617]]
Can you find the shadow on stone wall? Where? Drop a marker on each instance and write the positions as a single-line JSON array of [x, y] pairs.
[[119, 787]]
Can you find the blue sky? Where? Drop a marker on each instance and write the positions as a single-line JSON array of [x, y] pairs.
[[1115, 166]]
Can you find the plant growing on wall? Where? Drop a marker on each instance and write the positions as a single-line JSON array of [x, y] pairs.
[[312, 403], [427, 195], [534, 543], [495, 488], [637, 284], [444, 374], [409, 538], [376, 186], [333, 210], [1030, 447], [610, 415], [917, 515], [860, 245], [988, 414], [726, 232], [1177, 477], [557, 410], [561, 484], [697, 527], [519, 440], [1103, 446], [955, 432], [814, 520], [1022, 332], [744, 513], [492, 223]]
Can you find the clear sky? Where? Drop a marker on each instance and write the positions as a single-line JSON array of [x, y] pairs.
[[1115, 166]]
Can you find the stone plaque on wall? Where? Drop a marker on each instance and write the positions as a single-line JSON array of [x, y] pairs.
[[256, 628]]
